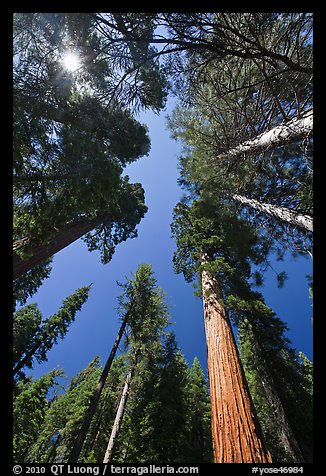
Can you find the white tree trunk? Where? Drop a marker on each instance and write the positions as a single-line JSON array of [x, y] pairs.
[[118, 418], [279, 135], [285, 214]]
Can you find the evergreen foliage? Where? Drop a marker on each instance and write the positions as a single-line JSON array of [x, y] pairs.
[[27, 285], [237, 76], [167, 416], [34, 338], [30, 407]]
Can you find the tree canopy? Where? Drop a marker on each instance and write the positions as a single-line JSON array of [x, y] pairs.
[[242, 85]]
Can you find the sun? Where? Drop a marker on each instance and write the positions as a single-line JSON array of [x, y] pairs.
[[70, 61]]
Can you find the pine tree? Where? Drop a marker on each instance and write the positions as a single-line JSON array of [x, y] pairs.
[[149, 318], [64, 417], [78, 444], [269, 361], [142, 303], [287, 215], [43, 335], [27, 285], [119, 416], [200, 447], [30, 405], [167, 417]]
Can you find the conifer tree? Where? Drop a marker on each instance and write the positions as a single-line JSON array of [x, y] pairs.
[[200, 445], [69, 140], [143, 303], [270, 360], [27, 285], [43, 335], [64, 417], [197, 228], [30, 405], [146, 326]]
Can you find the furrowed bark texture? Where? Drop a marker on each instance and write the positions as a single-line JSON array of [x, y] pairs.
[[295, 129], [41, 253], [282, 213], [236, 432]]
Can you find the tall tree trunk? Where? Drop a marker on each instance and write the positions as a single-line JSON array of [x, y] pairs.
[[285, 432], [295, 129], [75, 452], [40, 253], [285, 214], [237, 437], [22, 363], [118, 417]]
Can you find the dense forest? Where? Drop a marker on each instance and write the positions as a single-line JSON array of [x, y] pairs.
[[242, 85]]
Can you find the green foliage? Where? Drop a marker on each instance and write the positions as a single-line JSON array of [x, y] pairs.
[[125, 212], [272, 367], [200, 447], [167, 416], [204, 228], [33, 338], [148, 312], [114, 71], [226, 101], [30, 405], [26, 285], [26, 324], [70, 132], [64, 417]]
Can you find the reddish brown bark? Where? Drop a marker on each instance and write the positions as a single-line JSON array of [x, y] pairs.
[[236, 432], [41, 253]]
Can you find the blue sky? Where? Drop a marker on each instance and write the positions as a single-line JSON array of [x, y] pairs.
[[97, 324]]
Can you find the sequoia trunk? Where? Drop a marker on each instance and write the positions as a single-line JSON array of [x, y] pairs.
[[285, 214], [236, 432], [40, 253]]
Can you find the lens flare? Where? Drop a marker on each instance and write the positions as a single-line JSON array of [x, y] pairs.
[[70, 61]]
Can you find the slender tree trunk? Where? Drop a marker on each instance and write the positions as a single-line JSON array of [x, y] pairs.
[[295, 129], [118, 418], [285, 432], [75, 452], [22, 363], [237, 437], [40, 253], [284, 214], [287, 437]]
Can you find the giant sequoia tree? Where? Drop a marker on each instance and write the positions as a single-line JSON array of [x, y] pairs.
[[225, 271], [244, 81], [70, 144], [207, 245], [245, 121]]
